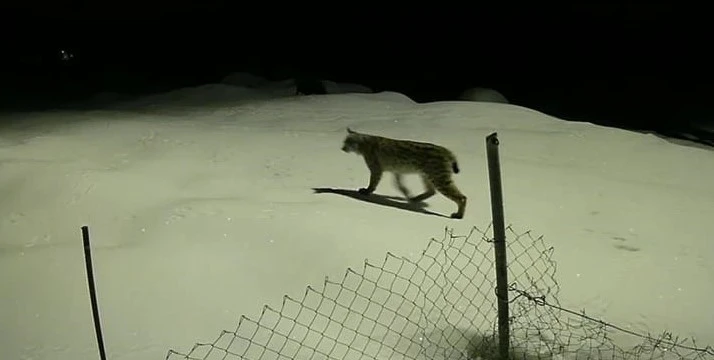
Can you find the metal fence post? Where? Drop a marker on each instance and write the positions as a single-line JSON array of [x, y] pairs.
[[93, 292], [499, 242]]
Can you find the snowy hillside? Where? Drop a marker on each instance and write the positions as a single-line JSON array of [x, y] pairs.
[[201, 209]]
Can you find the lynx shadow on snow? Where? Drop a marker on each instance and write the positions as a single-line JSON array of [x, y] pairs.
[[384, 200]]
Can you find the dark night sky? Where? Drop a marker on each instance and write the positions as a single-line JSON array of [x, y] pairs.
[[577, 61]]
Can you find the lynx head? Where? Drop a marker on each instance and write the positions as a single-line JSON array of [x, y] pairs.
[[352, 142]]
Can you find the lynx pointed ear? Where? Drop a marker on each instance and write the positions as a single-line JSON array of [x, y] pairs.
[[350, 131]]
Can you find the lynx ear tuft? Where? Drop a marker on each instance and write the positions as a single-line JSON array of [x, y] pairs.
[[350, 131]]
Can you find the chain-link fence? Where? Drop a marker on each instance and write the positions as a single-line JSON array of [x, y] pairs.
[[439, 306]]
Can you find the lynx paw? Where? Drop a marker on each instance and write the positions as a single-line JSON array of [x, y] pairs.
[[457, 216]]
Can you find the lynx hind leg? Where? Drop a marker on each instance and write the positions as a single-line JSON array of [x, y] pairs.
[[428, 192], [449, 189]]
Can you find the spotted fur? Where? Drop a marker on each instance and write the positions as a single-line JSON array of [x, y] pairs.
[[434, 164]]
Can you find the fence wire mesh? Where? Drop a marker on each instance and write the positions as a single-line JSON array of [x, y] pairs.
[[440, 306]]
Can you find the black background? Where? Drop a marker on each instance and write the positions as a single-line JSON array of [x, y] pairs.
[[642, 66]]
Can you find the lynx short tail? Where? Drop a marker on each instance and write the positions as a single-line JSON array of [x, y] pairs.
[[455, 167]]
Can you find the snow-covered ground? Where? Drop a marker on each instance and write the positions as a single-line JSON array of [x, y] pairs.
[[201, 209]]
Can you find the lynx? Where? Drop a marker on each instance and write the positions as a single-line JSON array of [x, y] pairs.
[[433, 163]]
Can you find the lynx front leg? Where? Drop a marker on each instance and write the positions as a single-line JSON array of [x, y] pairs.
[[399, 183], [429, 192], [375, 175]]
